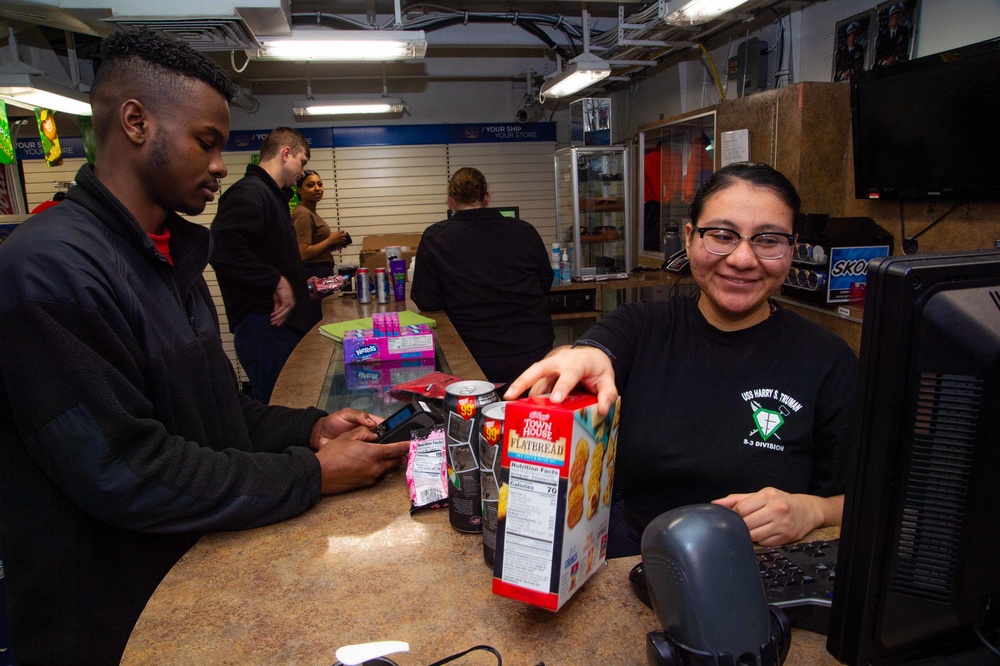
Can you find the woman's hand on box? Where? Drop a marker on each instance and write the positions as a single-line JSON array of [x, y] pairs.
[[563, 370]]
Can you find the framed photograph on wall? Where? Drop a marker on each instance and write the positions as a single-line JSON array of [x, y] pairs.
[[896, 25], [852, 40]]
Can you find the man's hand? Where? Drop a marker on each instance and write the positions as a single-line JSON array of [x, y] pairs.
[[334, 425], [284, 301], [775, 517], [352, 460], [564, 368]]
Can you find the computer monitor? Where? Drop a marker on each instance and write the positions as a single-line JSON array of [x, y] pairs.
[[918, 569]]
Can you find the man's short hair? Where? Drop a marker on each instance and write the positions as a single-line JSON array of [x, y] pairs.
[[281, 137], [152, 68]]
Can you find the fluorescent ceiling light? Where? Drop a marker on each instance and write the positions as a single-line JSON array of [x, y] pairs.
[[697, 12], [343, 45], [582, 71], [348, 107], [21, 88]]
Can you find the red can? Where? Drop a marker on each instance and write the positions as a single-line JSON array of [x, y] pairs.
[[463, 404]]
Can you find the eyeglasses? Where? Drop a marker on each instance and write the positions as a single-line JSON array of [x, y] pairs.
[[766, 245]]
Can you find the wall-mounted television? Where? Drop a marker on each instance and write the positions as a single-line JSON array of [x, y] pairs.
[[929, 129]]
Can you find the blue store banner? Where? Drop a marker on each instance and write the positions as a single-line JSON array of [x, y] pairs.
[[250, 140], [31, 149], [351, 137]]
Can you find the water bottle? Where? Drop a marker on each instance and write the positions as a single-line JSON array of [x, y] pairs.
[[564, 269], [672, 242]]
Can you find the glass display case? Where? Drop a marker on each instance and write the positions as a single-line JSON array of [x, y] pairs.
[[676, 157], [593, 217]]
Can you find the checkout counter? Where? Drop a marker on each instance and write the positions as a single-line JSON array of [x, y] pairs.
[[358, 567]]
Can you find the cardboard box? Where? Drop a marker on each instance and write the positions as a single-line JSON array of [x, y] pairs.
[[372, 259], [382, 241], [365, 346], [373, 246], [555, 497]]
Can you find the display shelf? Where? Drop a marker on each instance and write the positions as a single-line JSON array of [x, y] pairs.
[[592, 212]]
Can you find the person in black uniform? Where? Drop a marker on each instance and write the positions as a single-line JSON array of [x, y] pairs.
[[715, 405], [893, 43], [491, 276], [256, 259], [851, 55], [123, 438]]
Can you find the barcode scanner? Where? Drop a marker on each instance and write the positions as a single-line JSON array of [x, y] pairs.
[[705, 587]]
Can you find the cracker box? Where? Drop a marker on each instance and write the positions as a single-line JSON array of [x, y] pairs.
[[555, 497]]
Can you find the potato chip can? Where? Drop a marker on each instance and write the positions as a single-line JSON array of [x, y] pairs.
[[364, 286], [463, 405], [490, 451]]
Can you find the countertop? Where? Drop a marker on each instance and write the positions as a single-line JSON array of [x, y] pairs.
[[358, 567]]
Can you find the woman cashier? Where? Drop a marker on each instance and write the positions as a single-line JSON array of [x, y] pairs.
[[726, 396]]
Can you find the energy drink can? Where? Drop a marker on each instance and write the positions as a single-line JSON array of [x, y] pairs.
[[364, 286], [382, 287], [463, 404], [490, 451]]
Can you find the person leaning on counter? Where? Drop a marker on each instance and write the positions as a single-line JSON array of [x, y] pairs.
[[726, 396], [491, 275], [123, 437]]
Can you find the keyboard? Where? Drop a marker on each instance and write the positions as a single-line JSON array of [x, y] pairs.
[[798, 579]]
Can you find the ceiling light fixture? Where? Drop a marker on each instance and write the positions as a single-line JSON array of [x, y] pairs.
[[343, 45], [582, 71], [348, 107], [20, 85], [697, 12]]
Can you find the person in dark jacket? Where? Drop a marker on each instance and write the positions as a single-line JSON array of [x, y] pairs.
[[491, 275], [123, 437], [256, 259]]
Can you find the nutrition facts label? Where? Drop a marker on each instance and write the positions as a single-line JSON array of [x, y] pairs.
[[410, 343], [532, 500]]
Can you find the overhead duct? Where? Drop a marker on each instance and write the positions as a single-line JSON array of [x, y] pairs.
[[229, 27], [225, 26]]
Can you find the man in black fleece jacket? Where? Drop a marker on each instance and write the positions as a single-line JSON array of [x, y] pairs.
[[123, 437], [256, 259]]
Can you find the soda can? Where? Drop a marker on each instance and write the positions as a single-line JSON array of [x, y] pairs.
[[382, 287], [364, 286], [490, 452], [463, 404]]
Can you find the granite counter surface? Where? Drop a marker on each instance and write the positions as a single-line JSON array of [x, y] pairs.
[[358, 568]]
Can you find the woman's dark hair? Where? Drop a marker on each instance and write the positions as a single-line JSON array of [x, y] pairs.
[[305, 174], [752, 173]]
